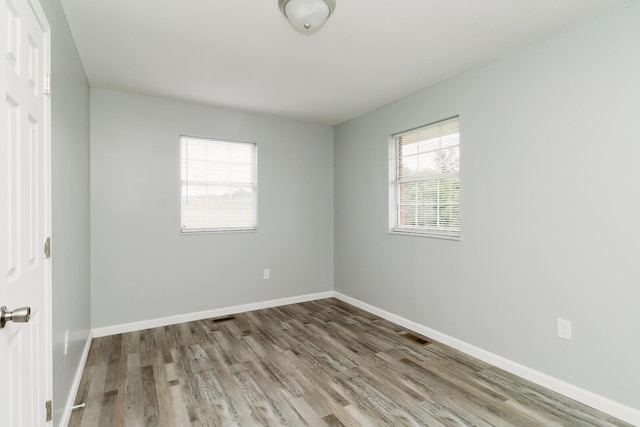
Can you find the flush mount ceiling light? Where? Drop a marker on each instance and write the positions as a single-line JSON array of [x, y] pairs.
[[307, 16]]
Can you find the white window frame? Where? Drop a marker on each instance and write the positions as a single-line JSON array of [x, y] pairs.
[[395, 221], [185, 182]]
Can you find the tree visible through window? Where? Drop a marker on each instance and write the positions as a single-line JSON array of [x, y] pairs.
[[427, 180], [218, 185]]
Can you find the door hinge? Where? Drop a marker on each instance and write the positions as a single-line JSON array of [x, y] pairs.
[[47, 248], [47, 84], [47, 406]]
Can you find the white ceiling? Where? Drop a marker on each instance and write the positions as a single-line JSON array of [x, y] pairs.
[[244, 54]]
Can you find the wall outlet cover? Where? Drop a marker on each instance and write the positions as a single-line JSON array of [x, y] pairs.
[[66, 342], [564, 329]]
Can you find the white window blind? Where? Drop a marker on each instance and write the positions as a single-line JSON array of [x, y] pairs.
[[427, 180], [218, 185]]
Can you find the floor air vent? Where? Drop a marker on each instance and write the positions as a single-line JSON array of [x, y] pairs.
[[416, 338], [223, 319]]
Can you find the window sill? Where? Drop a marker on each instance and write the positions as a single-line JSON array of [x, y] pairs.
[[221, 231], [423, 234]]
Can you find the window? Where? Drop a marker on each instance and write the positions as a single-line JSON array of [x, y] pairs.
[[425, 180], [218, 185]]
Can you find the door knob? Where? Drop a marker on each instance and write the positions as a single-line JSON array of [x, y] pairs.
[[20, 315]]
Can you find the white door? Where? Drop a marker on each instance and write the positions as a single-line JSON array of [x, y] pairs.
[[25, 213]]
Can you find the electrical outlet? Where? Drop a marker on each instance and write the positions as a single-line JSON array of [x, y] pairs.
[[564, 329], [66, 342], [266, 274]]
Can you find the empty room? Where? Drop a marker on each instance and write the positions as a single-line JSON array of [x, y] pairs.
[[320, 212]]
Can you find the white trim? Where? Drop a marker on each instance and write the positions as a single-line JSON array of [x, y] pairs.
[[571, 391], [217, 312], [66, 415]]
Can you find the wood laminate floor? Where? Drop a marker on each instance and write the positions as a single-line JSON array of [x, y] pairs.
[[320, 363]]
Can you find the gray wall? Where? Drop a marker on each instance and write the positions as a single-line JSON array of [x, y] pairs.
[[142, 268], [70, 199], [550, 209]]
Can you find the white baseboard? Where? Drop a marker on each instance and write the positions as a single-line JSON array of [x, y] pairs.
[[66, 415], [190, 317], [586, 397]]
